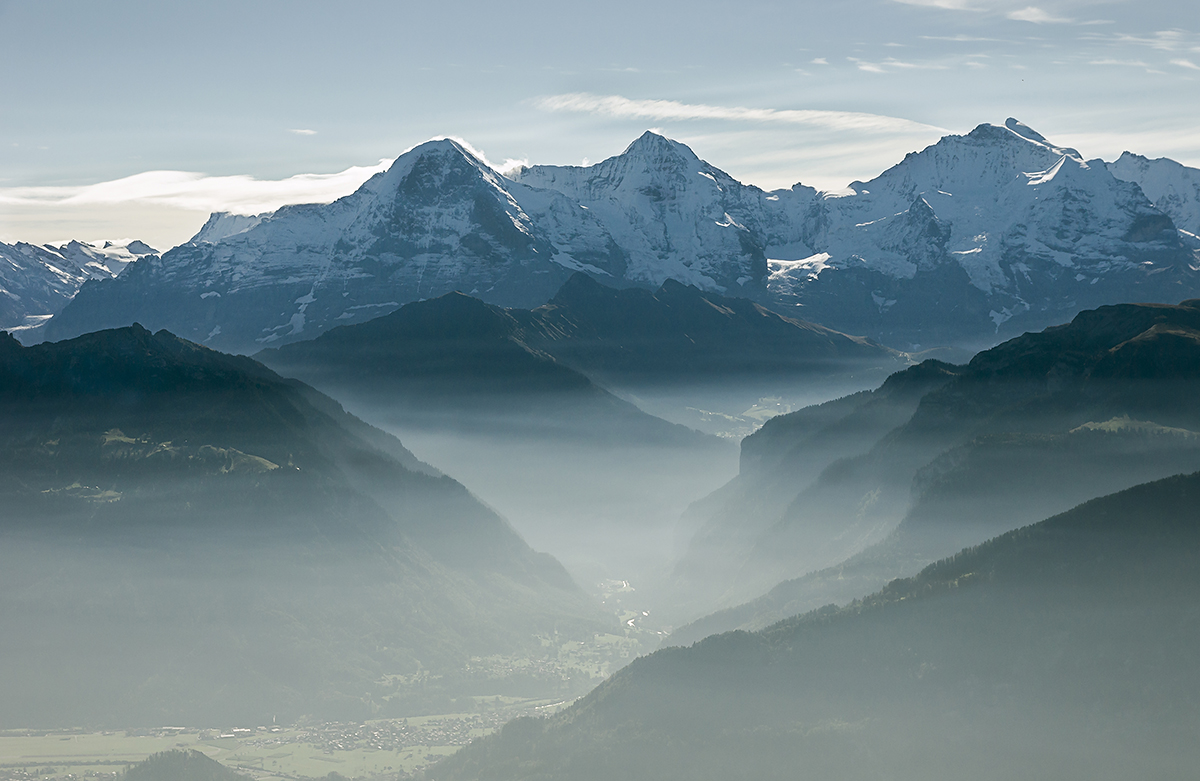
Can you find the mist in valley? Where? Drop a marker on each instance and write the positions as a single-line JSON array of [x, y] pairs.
[[614, 509]]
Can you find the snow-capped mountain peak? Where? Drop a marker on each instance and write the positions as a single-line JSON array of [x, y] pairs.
[[658, 151], [1030, 225], [1024, 131], [103, 259], [436, 162]]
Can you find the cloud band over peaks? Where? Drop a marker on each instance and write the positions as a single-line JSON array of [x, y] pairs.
[[621, 107], [199, 192]]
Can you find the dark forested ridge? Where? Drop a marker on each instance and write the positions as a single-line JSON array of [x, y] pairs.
[[457, 362], [189, 536], [1059, 650]]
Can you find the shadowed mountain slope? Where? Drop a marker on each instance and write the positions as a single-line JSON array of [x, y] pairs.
[[176, 765], [456, 361], [778, 462]]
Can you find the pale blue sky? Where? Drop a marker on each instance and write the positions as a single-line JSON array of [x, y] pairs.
[[99, 91]]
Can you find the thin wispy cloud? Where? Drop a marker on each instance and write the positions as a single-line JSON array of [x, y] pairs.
[[627, 108], [1186, 64], [950, 5], [961, 38], [197, 191], [891, 63], [1163, 40], [1036, 16], [302, 131], [869, 67]]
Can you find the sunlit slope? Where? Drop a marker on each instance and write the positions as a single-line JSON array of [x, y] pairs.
[[1060, 650], [1027, 429], [189, 537]]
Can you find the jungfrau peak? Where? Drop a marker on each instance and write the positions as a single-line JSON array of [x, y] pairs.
[[998, 227]]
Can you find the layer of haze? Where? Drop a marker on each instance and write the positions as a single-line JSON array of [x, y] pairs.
[[232, 106]]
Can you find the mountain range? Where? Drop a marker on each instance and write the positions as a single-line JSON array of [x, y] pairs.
[[189, 537], [974, 239], [1060, 650]]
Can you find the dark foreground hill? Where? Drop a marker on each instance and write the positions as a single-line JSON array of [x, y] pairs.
[[176, 765], [1063, 650], [188, 537], [1026, 430]]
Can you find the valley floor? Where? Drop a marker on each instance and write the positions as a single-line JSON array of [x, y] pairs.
[[383, 749]]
